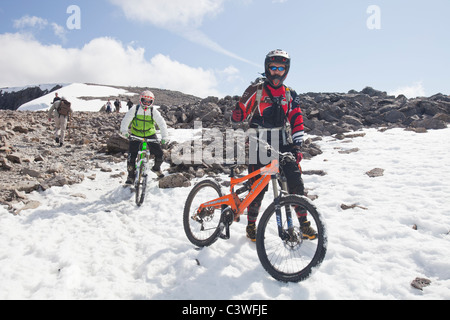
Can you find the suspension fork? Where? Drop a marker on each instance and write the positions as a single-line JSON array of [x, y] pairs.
[[277, 196], [142, 154]]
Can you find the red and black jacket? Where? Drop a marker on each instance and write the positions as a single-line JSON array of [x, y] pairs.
[[273, 111]]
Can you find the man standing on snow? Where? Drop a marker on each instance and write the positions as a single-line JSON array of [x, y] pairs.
[[129, 104], [61, 111], [269, 104], [56, 97], [140, 121], [117, 105]]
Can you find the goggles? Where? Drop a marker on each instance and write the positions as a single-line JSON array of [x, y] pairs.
[[273, 68], [147, 102]]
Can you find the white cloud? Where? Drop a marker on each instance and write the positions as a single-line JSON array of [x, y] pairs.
[[36, 24], [30, 22], [59, 31], [231, 74], [413, 91], [170, 14], [24, 60], [181, 17]]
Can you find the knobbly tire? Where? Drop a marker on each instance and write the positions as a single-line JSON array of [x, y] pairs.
[[292, 259], [202, 229], [140, 186]]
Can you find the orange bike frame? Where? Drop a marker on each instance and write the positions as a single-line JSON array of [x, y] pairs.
[[239, 205]]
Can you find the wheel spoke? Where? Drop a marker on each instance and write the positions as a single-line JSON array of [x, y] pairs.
[[202, 228], [290, 258]]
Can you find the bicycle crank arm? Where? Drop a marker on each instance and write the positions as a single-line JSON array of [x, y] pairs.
[[227, 221], [225, 236]]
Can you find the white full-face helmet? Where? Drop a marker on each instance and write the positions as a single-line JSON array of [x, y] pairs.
[[146, 99]]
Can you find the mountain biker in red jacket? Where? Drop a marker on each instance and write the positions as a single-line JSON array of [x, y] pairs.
[[269, 104]]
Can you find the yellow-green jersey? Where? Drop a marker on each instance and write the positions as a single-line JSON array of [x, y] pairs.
[[141, 123]]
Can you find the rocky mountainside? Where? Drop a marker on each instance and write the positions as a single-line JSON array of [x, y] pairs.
[[31, 160], [13, 100], [331, 113], [163, 97]]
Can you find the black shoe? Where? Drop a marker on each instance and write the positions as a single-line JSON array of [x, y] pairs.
[[57, 140], [158, 172], [251, 232], [61, 144], [130, 181]]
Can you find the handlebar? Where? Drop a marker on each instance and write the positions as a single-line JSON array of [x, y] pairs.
[[135, 138], [267, 146]]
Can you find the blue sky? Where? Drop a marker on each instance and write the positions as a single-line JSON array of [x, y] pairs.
[[216, 47]]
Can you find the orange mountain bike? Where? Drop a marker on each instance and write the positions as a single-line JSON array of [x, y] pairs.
[[282, 249]]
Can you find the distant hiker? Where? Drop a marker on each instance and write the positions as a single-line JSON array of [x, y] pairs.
[[118, 105], [57, 98], [61, 111], [129, 104], [269, 104], [108, 107], [140, 121]]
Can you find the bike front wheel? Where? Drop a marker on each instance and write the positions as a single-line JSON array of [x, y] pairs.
[[290, 257], [140, 185], [202, 228]]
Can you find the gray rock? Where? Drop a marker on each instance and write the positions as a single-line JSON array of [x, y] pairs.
[[176, 180], [377, 172]]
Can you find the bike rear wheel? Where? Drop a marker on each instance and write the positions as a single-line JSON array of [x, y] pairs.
[[140, 185], [290, 258], [202, 228]]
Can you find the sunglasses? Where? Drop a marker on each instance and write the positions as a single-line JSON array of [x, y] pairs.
[[273, 68]]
